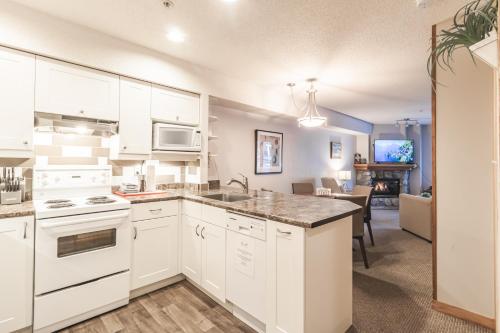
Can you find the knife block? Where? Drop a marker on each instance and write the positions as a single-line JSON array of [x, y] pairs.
[[10, 198]]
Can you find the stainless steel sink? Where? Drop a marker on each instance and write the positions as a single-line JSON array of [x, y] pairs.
[[227, 197]]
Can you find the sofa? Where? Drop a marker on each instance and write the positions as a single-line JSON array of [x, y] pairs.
[[415, 215]]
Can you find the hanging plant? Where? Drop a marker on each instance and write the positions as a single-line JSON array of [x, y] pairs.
[[471, 24]]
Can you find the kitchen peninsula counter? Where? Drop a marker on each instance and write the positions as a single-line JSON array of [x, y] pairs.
[[298, 210]]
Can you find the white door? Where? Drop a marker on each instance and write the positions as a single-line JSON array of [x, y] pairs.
[[17, 98], [171, 105], [191, 248], [73, 90], [135, 117], [16, 260], [214, 260], [285, 267], [154, 251]]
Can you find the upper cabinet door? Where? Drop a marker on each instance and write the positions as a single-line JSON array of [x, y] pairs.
[[17, 99], [175, 106], [72, 90], [135, 117]]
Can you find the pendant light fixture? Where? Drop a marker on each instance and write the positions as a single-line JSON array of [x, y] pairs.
[[311, 117], [407, 122]]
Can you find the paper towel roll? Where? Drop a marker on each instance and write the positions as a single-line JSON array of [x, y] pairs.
[[151, 178]]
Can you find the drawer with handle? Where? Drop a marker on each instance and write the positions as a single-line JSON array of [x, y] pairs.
[[153, 210], [250, 226]]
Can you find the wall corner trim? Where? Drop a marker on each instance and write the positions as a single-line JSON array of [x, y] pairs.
[[463, 314]]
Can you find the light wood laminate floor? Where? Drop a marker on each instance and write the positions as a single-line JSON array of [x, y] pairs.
[[175, 309]]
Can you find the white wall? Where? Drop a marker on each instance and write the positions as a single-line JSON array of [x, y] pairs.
[[306, 152], [426, 163], [363, 146], [464, 149]]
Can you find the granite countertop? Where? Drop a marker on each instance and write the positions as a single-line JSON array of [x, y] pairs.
[[22, 209], [299, 210]]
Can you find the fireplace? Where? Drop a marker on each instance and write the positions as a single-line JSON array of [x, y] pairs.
[[388, 180], [385, 187]]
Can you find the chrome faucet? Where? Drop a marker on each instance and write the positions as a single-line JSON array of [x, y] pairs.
[[243, 183]]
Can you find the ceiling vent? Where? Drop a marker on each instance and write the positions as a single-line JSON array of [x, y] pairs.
[[168, 3], [422, 3]]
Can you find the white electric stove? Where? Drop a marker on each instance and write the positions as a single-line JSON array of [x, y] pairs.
[[82, 245]]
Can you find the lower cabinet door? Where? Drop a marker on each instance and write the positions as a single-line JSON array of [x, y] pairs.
[[214, 260], [191, 248], [285, 278], [16, 279], [154, 251]]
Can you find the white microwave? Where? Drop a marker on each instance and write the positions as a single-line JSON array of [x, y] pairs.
[[176, 137]]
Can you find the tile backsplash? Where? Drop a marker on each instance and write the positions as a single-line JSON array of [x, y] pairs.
[[74, 149]]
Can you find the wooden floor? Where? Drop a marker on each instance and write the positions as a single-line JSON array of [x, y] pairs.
[[175, 309]]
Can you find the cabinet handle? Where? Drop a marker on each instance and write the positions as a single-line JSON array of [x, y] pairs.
[[155, 211], [243, 228], [232, 218], [135, 233], [25, 142], [203, 237], [284, 232], [82, 111], [25, 230], [196, 231], [124, 147]]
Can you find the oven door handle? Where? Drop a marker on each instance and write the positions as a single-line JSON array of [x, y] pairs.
[[49, 225]]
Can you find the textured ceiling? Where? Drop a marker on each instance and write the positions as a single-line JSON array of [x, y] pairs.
[[369, 56]]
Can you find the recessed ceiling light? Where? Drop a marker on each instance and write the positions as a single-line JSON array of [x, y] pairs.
[[176, 35]]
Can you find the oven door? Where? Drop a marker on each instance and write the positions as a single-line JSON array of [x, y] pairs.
[[176, 137], [75, 249]]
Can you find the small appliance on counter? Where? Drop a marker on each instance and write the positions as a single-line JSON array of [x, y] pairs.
[[11, 187]]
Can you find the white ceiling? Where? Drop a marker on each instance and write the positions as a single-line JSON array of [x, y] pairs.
[[370, 56]]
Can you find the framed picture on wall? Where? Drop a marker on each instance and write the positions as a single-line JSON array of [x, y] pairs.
[[268, 152], [335, 150]]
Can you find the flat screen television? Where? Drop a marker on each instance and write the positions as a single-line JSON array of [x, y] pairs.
[[394, 151]]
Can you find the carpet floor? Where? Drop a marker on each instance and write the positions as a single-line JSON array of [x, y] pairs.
[[395, 293]]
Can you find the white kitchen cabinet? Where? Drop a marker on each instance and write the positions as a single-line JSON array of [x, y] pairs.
[[78, 91], [17, 96], [204, 255], [154, 251], [309, 278], [135, 131], [174, 106], [285, 268], [213, 260], [191, 248], [16, 260]]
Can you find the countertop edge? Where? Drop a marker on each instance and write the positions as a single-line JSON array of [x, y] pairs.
[[232, 209]]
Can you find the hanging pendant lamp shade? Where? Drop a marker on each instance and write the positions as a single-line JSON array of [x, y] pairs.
[[311, 117]]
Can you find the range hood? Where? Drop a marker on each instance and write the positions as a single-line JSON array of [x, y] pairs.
[[49, 122]]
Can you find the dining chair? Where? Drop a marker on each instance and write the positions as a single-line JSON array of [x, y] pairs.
[[358, 227], [367, 191], [331, 183], [303, 188]]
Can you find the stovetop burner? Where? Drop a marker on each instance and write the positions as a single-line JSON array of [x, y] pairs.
[[99, 197], [57, 201], [61, 205], [100, 200]]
